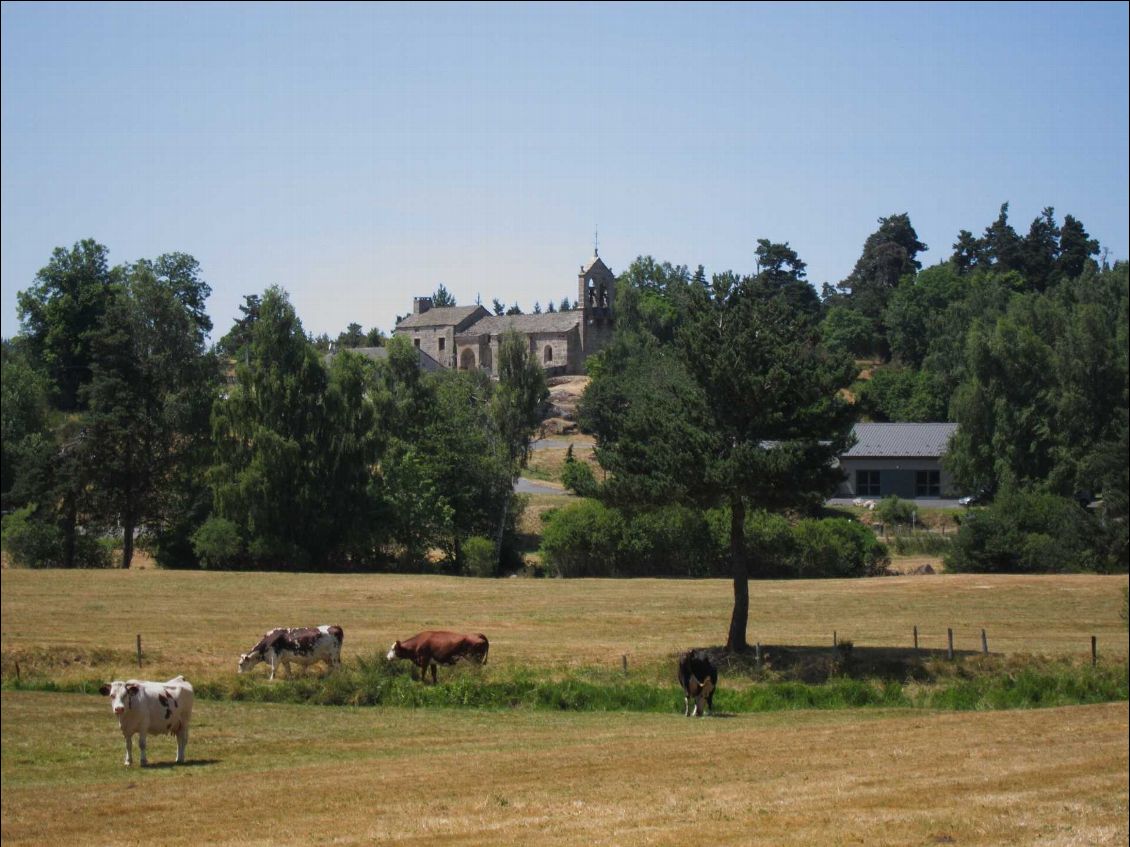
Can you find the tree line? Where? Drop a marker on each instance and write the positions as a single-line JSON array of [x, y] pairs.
[[122, 425], [728, 397]]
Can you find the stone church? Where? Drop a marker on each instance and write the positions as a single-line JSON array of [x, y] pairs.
[[467, 337]]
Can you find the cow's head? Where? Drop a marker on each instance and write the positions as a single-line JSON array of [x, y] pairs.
[[393, 651], [120, 693], [249, 660]]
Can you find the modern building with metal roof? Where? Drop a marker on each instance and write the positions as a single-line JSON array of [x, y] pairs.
[[900, 459]]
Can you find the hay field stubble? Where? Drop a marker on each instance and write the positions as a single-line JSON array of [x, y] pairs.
[[269, 774], [283, 774], [197, 623]]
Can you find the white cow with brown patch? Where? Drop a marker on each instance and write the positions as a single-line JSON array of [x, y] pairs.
[[151, 707]]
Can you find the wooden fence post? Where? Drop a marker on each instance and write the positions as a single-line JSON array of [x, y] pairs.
[[949, 638], [624, 662], [916, 638], [984, 643], [757, 654], [139, 650], [835, 639], [1094, 651]]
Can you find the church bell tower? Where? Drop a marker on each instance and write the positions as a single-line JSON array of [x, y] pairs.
[[596, 288]]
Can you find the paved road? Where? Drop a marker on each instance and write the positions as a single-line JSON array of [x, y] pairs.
[[531, 486], [557, 444]]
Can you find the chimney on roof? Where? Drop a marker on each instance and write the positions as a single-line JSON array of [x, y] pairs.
[[421, 305]]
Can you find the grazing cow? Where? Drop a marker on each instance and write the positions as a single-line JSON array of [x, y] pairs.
[[699, 678], [304, 645], [435, 647], [145, 707]]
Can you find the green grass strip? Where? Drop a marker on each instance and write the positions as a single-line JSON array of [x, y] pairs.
[[377, 683]]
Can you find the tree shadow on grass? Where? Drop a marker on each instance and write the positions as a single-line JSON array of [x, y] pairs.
[[791, 663]]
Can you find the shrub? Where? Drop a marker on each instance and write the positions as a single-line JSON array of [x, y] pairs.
[[669, 541], [31, 543], [217, 543], [34, 543], [895, 512], [479, 557], [1023, 532], [578, 478], [837, 547], [581, 540]]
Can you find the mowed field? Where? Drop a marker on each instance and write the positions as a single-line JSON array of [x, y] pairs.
[[291, 774]]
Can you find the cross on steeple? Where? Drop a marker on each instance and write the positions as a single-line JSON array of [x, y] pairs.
[[596, 241]]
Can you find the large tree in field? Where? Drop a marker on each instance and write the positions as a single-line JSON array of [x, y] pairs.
[[149, 397], [741, 409], [294, 445]]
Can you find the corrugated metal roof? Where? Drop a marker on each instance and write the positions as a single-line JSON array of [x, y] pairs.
[[545, 322], [900, 440], [445, 316]]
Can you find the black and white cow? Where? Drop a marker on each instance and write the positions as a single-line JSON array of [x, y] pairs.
[[303, 645], [145, 707], [699, 678]]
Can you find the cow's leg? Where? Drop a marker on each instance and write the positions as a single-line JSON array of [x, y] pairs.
[[141, 739], [434, 667], [129, 750], [686, 705], [273, 662], [182, 742]]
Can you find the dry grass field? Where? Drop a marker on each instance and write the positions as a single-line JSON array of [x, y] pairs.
[[198, 622], [301, 774], [268, 775]]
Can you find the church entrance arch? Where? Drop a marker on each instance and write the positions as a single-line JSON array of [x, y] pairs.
[[467, 359]]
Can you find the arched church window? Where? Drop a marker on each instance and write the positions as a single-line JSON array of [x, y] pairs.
[[548, 353]]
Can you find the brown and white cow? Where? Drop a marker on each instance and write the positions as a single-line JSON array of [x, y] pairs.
[[303, 645], [151, 707], [437, 647]]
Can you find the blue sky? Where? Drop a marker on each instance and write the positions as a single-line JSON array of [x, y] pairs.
[[360, 154]]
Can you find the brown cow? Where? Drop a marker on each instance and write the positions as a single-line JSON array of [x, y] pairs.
[[436, 647]]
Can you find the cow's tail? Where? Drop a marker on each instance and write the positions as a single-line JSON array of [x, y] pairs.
[[486, 649]]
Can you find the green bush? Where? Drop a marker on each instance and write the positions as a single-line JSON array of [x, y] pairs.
[[1023, 532], [837, 547], [578, 478], [34, 543], [31, 543], [217, 543], [479, 557], [582, 539], [893, 511]]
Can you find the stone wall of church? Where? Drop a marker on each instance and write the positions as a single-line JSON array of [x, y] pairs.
[[438, 342]]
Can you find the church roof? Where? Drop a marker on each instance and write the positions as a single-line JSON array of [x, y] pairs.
[[546, 322], [444, 316], [595, 260]]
